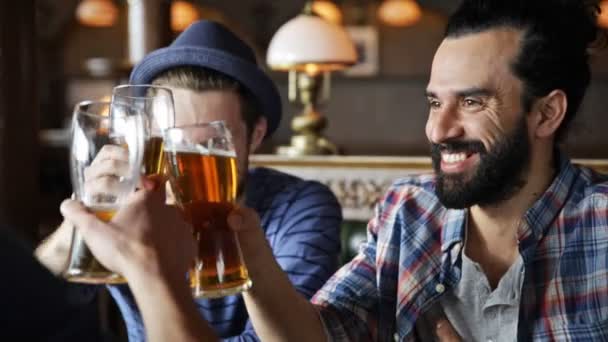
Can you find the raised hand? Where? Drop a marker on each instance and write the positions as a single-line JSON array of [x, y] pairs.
[[145, 235], [102, 177]]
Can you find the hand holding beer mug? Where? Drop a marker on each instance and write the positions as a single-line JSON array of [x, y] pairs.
[[202, 169], [105, 163], [156, 104]]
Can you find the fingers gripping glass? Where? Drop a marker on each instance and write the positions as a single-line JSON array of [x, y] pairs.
[[202, 169], [105, 161]]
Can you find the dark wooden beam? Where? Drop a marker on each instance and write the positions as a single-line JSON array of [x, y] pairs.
[[19, 117]]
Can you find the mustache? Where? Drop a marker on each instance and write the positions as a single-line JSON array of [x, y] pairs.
[[457, 146]]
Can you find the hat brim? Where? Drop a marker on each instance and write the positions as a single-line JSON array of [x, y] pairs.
[[248, 74]]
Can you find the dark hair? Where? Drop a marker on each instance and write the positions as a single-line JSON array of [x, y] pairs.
[[554, 51], [201, 79]]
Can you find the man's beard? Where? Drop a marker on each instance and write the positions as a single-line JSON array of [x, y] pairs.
[[497, 176]]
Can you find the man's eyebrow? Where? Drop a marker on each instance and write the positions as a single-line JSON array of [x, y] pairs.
[[483, 92], [429, 93], [465, 92]]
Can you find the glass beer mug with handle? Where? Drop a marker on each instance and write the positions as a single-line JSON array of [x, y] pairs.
[[102, 134], [202, 168], [156, 104]]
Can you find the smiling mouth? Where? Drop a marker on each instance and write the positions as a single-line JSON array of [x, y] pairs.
[[457, 162]]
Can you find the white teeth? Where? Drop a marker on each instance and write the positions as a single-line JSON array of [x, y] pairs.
[[453, 157]]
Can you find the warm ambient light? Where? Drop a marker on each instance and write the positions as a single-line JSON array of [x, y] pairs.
[[97, 13], [106, 110], [602, 19], [399, 12], [183, 13], [327, 10]]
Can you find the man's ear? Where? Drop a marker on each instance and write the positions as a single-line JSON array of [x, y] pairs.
[[550, 113], [258, 133]]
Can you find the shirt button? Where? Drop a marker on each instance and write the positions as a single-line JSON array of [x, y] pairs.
[[489, 340], [440, 288]]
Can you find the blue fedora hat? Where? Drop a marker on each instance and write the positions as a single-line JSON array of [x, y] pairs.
[[211, 45]]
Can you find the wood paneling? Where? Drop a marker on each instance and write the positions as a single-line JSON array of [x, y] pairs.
[[19, 147]]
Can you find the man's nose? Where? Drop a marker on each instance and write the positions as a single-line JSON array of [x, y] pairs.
[[443, 126]]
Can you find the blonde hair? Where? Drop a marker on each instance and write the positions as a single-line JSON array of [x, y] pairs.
[[203, 79]]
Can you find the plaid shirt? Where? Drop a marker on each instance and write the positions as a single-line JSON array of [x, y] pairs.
[[412, 256]]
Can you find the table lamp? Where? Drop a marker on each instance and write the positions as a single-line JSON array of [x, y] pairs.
[[310, 48]]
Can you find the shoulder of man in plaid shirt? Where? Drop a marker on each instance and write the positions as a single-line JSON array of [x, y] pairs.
[[412, 256]]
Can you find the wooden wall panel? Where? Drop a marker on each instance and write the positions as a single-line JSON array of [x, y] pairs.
[[19, 147]]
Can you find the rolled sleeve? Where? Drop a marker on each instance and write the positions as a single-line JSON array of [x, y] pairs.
[[348, 302]]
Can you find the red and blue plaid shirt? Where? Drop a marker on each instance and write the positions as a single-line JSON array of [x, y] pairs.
[[412, 256]]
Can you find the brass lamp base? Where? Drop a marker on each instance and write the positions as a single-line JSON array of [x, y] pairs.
[[309, 90], [307, 145]]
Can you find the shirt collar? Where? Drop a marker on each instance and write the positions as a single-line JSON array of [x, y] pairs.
[[453, 228], [543, 212], [452, 243]]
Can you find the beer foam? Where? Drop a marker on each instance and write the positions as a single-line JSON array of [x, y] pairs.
[[102, 207], [228, 154], [198, 149]]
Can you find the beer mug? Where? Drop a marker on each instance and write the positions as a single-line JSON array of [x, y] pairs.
[[98, 128], [202, 171], [156, 104]]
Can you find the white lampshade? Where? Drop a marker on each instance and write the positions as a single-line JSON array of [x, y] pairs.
[[309, 43]]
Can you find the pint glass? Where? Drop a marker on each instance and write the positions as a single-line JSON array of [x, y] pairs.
[[203, 175], [95, 126], [156, 104]]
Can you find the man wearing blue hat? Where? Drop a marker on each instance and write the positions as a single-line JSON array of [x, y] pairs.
[[214, 76]]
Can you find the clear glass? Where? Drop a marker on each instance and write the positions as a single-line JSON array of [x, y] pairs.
[[156, 104], [202, 171], [96, 126]]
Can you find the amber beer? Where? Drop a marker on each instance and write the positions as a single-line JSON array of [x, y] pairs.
[[205, 189], [83, 267], [154, 158]]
